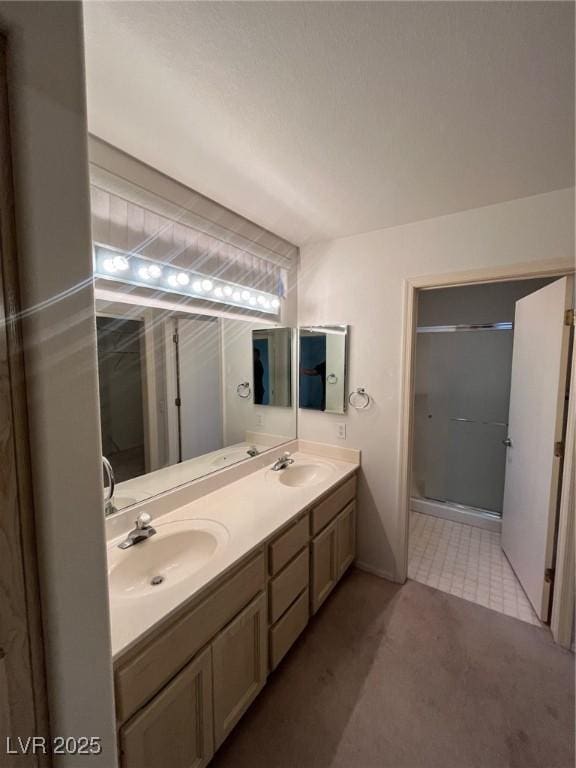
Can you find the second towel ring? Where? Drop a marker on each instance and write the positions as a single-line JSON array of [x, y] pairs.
[[359, 399], [243, 390]]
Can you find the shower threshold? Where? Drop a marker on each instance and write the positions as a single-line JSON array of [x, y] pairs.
[[458, 513]]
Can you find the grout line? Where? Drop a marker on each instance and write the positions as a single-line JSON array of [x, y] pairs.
[[467, 562]]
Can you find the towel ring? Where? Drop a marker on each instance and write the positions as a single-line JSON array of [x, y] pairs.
[[359, 399], [243, 390], [332, 378]]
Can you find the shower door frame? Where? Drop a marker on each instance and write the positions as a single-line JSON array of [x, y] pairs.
[[563, 594]]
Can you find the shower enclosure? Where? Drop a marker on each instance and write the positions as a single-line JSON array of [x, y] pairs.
[[462, 393]]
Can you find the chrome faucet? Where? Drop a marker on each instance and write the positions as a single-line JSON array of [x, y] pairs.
[[109, 507], [142, 531], [282, 462]]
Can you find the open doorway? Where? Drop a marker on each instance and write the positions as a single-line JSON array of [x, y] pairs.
[[490, 369]]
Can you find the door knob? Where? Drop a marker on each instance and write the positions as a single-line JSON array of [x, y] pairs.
[[507, 442]]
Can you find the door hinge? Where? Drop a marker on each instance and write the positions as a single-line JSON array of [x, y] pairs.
[[559, 450], [175, 338], [569, 317], [549, 575], [177, 402]]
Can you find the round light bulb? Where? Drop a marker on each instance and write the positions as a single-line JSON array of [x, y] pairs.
[[266, 304], [121, 263], [236, 296], [275, 303], [197, 286], [252, 301], [245, 295], [182, 278], [154, 271], [207, 285], [144, 273], [108, 265], [218, 292], [228, 290], [261, 300], [173, 280]]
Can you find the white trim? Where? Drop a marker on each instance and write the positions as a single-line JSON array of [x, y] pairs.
[[520, 271], [170, 327], [150, 393], [562, 617], [376, 572]]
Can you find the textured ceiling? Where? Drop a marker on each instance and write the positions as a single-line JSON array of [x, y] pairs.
[[322, 119]]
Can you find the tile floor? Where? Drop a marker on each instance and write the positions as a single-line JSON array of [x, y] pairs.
[[468, 562]]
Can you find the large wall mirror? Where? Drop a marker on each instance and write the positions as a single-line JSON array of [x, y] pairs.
[[323, 368], [181, 395]]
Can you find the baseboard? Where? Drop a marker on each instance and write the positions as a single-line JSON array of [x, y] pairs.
[[375, 571]]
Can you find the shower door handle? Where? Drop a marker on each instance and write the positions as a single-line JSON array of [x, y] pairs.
[[507, 442]]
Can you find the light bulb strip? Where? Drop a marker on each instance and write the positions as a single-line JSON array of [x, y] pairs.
[[143, 272]]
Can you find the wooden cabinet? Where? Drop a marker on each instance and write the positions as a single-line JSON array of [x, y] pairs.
[[333, 551], [182, 689], [147, 669], [289, 583], [286, 631], [324, 564], [327, 509], [175, 728], [288, 544], [346, 537], [239, 661]]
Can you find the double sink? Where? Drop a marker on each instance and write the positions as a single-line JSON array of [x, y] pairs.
[[180, 549]]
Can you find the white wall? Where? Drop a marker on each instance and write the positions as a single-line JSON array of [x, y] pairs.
[[359, 280], [53, 224]]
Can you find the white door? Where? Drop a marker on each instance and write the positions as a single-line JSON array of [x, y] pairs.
[[199, 373], [535, 424]]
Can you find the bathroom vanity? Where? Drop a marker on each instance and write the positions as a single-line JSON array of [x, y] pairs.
[[193, 644]]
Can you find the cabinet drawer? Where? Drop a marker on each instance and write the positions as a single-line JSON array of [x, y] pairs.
[[286, 587], [284, 633], [141, 677], [289, 543], [329, 508]]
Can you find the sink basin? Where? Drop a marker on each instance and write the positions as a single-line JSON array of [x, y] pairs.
[[178, 550], [301, 475]]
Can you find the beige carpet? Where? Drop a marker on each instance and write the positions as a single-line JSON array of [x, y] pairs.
[[409, 677]]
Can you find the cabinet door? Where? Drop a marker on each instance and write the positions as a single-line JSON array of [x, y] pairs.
[[324, 564], [346, 537], [175, 728], [239, 660]]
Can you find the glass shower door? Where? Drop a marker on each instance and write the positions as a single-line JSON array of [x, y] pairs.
[[462, 398]]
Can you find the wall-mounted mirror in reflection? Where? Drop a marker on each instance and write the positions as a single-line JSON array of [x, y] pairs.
[[173, 395], [272, 366], [323, 368]]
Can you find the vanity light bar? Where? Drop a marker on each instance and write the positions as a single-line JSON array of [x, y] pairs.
[[146, 273]]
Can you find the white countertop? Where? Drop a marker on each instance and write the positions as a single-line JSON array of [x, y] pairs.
[[161, 480], [251, 509]]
